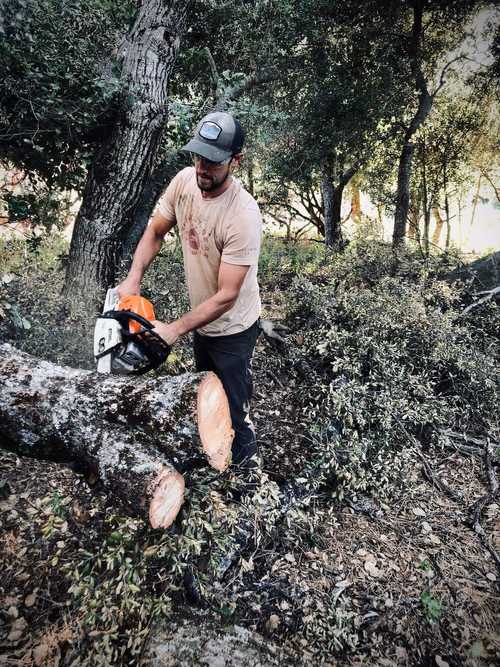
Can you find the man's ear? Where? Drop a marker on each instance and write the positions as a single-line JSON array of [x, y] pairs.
[[237, 159]]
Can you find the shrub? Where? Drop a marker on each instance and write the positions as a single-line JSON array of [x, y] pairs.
[[390, 365], [280, 259]]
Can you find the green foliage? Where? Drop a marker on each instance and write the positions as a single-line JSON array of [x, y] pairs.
[[57, 505], [432, 607], [115, 588], [44, 209], [280, 259], [59, 83], [133, 577], [33, 314], [391, 366]]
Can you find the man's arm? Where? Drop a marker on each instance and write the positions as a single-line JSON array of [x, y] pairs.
[[147, 249], [230, 280]]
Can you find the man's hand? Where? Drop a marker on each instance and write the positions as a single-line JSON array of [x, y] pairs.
[[129, 287], [169, 332], [272, 331]]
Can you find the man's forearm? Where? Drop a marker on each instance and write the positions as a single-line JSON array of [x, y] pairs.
[[149, 246], [230, 280], [206, 312]]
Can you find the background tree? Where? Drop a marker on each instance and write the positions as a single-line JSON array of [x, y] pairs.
[[434, 29], [59, 88], [123, 163], [335, 101], [444, 150]]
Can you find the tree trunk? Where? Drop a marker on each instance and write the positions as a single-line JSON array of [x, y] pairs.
[[425, 101], [475, 200], [439, 225], [332, 204], [380, 215], [447, 212], [161, 176], [403, 193], [137, 435], [336, 221], [123, 165], [426, 204], [327, 194], [414, 216], [355, 203]]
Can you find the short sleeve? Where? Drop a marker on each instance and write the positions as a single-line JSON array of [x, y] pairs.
[[166, 203], [242, 240]]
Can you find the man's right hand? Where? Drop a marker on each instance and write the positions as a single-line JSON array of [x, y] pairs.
[[273, 330], [128, 287]]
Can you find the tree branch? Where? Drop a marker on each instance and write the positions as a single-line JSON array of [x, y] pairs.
[[442, 80], [485, 175], [236, 91], [489, 294]]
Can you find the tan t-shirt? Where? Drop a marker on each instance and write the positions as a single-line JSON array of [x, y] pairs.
[[226, 228]]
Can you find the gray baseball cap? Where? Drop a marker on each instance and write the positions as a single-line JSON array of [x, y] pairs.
[[217, 137]]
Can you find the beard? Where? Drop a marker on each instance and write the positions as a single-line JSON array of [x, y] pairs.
[[209, 183]]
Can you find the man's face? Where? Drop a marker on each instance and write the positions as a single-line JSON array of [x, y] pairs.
[[211, 175]]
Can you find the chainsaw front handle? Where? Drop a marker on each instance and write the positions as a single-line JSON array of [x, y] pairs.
[[147, 332]]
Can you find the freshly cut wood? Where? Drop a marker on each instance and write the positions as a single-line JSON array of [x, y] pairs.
[[188, 414], [135, 433]]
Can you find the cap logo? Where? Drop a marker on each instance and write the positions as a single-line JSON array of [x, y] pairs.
[[210, 131]]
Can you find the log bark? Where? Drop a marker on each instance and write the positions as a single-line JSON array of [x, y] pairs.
[[136, 434]]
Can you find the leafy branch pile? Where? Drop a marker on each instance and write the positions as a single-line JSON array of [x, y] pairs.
[[391, 366]]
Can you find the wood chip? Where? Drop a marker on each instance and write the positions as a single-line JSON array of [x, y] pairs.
[[17, 630], [272, 622], [13, 612], [40, 654], [372, 569], [30, 600]]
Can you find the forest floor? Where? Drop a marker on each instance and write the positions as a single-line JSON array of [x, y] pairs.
[[351, 582]]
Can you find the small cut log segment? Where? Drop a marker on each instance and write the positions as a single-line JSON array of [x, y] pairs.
[[135, 433]]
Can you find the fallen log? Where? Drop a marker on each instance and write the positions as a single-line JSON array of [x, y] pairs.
[[134, 433]]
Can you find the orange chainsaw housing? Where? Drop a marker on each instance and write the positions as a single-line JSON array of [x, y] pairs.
[[140, 306]]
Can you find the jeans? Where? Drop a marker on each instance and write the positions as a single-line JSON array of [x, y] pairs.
[[230, 358]]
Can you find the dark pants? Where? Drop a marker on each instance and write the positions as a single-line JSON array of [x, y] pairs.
[[230, 358]]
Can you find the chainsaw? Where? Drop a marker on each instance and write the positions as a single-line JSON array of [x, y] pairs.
[[125, 342]]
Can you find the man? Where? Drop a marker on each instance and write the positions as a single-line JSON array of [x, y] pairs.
[[220, 228]]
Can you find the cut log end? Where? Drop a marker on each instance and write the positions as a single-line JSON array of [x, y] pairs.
[[167, 498], [214, 422]]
